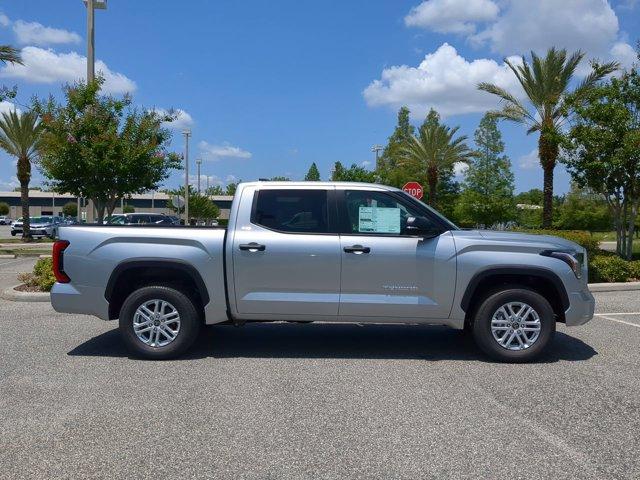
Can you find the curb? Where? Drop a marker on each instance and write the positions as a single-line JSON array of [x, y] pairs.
[[614, 287], [16, 296], [7, 256]]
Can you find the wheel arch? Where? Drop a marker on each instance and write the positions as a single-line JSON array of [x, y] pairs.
[[541, 280], [132, 274]]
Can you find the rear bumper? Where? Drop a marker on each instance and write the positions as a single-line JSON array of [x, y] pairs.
[[69, 298], [581, 308]]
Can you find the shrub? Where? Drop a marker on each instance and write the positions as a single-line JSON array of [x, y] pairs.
[[42, 275], [70, 209], [128, 208], [611, 268], [582, 238], [4, 208]]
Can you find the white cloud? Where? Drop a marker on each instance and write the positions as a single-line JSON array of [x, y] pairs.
[[216, 152], [46, 66], [4, 20], [34, 33], [451, 16], [9, 185], [460, 168], [530, 161], [6, 107], [231, 179], [366, 164], [524, 25], [625, 54], [183, 119], [445, 81]]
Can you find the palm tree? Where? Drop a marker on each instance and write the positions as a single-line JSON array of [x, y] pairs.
[[20, 137], [9, 54], [435, 150], [545, 82]]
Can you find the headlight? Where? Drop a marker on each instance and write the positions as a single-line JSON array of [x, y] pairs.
[[575, 260]]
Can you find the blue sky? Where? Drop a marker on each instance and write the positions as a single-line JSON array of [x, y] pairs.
[[269, 87]]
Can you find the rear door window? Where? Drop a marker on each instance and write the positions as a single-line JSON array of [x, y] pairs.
[[292, 211]]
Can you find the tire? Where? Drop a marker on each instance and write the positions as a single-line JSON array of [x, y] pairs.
[[13, 234], [524, 338], [174, 301]]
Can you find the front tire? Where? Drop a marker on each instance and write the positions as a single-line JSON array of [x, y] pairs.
[[158, 323], [514, 325]]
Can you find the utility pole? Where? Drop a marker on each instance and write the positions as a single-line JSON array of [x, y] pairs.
[[199, 162], [187, 133], [91, 5], [377, 149]]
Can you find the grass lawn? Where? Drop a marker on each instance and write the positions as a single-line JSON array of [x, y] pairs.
[[19, 240], [25, 251]]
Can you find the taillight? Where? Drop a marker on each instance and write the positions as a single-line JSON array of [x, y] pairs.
[[58, 261]]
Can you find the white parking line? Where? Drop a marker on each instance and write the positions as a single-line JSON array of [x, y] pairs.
[[620, 313], [618, 321]]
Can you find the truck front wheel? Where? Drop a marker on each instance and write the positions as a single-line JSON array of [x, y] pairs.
[[514, 325], [158, 322]]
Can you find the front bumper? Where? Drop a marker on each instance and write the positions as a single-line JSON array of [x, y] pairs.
[[581, 308]]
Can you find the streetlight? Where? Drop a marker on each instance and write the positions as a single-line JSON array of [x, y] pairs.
[[377, 149], [92, 5], [187, 133], [199, 162]]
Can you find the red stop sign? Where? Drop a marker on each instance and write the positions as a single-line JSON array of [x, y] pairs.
[[414, 189]]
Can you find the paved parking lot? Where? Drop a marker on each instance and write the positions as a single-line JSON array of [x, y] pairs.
[[316, 401]]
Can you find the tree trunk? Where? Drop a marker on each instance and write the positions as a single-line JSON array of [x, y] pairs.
[[24, 176], [100, 206], [548, 153], [432, 179], [111, 206]]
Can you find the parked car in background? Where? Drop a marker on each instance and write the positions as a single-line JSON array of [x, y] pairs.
[[331, 252], [140, 219], [4, 220], [45, 226]]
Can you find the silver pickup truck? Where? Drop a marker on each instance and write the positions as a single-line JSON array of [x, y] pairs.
[[329, 252]]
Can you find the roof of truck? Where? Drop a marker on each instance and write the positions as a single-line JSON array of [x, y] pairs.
[[376, 186]]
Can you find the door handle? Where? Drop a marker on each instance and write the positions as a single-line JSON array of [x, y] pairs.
[[357, 249], [252, 247]]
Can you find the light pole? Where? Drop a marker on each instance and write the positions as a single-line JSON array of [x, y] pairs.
[[187, 133], [198, 163], [377, 149], [92, 5]]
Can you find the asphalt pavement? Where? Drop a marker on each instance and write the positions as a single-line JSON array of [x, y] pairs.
[[316, 401]]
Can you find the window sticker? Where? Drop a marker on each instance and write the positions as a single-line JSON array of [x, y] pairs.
[[378, 220]]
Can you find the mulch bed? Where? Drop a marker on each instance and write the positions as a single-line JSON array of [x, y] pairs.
[[27, 288]]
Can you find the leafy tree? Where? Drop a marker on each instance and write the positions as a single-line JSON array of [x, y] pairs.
[[9, 54], [602, 151], [214, 190], [435, 150], [70, 209], [355, 173], [21, 137], [231, 189], [546, 82], [583, 210], [200, 207], [126, 208], [279, 179], [313, 175], [97, 146], [4, 208], [487, 195], [392, 155]]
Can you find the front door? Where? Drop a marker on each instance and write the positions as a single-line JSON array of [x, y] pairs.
[[287, 261], [386, 271]]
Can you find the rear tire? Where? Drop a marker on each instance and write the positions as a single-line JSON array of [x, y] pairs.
[[514, 325], [158, 323]]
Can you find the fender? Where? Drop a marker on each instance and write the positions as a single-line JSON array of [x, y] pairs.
[[187, 268], [521, 271]]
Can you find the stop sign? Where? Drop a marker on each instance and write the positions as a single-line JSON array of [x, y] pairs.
[[414, 189]]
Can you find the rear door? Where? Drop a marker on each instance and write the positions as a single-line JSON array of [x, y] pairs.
[[286, 259], [386, 271]]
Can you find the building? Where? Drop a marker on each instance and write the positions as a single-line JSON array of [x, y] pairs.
[[50, 203]]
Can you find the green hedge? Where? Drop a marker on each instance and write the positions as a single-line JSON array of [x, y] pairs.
[[41, 277], [611, 268]]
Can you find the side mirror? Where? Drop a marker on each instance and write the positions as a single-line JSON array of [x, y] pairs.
[[421, 226]]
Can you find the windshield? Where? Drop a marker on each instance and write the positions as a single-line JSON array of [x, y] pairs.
[[41, 219], [445, 220], [117, 220]]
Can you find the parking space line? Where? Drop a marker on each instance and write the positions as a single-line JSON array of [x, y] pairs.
[[616, 320], [620, 313]]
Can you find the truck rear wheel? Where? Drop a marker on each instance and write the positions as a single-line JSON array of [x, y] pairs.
[[514, 325], [158, 322]]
